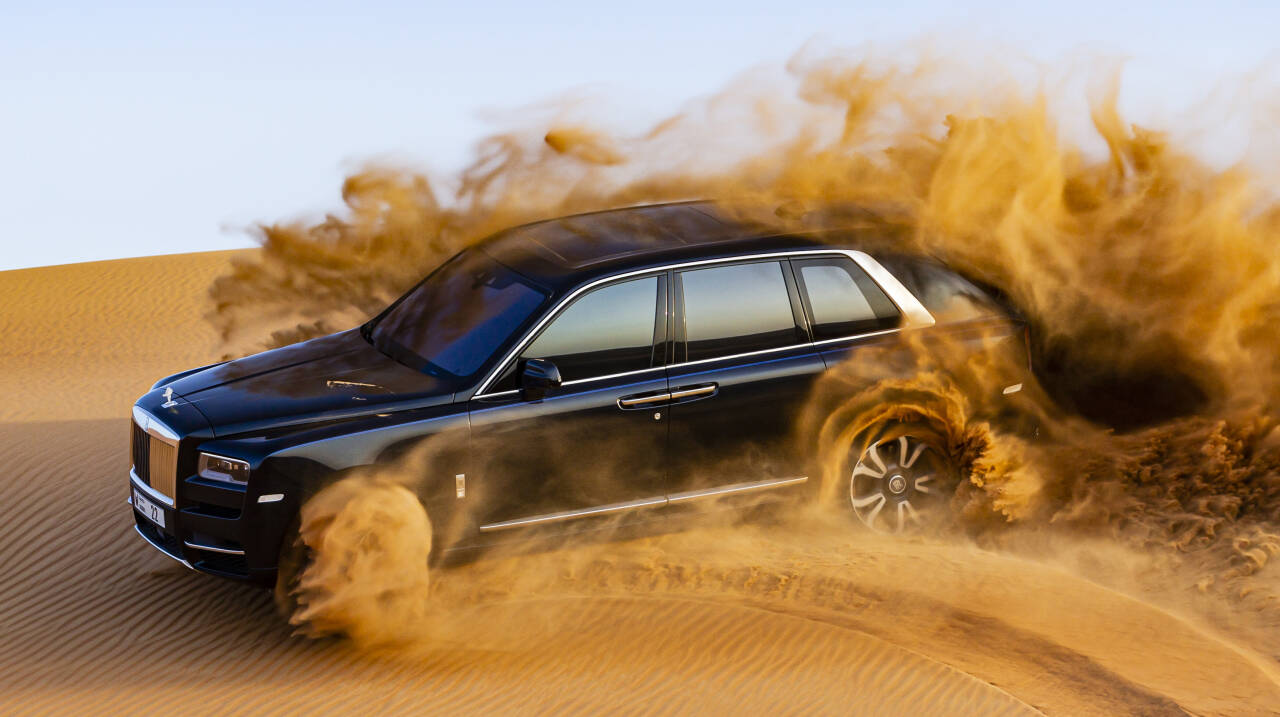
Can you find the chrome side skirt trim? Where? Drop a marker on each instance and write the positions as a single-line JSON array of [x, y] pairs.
[[163, 552], [736, 488], [212, 549], [683, 497], [571, 514], [150, 492]]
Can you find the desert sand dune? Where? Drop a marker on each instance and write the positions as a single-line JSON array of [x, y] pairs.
[[759, 619]]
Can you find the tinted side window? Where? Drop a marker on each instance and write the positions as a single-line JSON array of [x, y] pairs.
[[947, 295], [605, 331], [736, 309], [844, 301]]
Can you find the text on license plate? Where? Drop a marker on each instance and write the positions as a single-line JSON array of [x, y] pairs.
[[149, 510]]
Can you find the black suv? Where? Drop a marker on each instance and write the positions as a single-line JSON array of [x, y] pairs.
[[623, 363]]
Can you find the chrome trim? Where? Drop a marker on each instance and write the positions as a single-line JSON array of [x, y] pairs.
[[150, 492], [851, 337], [221, 477], [730, 357], [1012, 389], [643, 400], [735, 488], [154, 426], [271, 498], [212, 549], [691, 392], [913, 312], [644, 503], [163, 552], [571, 514], [610, 375]]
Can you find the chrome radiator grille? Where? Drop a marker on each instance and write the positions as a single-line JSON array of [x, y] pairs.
[[155, 460]]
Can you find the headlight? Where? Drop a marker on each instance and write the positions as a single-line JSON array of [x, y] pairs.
[[228, 470]]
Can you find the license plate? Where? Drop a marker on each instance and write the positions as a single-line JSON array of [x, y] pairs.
[[149, 510]]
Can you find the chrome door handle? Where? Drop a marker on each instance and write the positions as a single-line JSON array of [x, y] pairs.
[[704, 391], [642, 401]]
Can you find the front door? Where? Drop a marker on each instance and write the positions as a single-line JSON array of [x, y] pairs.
[[594, 447], [742, 372]]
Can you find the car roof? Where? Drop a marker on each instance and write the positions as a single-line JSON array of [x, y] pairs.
[[568, 250]]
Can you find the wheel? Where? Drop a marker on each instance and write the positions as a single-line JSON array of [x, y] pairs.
[[900, 480], [356, 561]]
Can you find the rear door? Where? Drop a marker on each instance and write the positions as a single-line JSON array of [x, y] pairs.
[[594, 446], [743, 366]]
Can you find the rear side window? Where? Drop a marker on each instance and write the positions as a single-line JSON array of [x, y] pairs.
[[736, 309], [842, 299], [947, 295], [605, 331]]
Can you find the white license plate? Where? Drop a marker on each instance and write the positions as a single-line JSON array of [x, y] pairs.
[[149, 510]]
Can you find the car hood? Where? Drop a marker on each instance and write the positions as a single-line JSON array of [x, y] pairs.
[[328, 378]]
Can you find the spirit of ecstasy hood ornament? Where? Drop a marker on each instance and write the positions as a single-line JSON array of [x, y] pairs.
[[168, 398]]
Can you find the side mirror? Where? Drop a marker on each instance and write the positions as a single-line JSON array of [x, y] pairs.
[[537, 377]]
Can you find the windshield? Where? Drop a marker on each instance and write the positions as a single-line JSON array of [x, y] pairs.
[[452, 323]]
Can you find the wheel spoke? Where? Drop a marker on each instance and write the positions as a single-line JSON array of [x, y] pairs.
[[911, 512], [914, 455], [871, 517], [874, 454], [863, 469], [920, 488], [866, 500]]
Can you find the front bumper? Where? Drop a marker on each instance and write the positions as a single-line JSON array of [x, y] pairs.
[[208, 533]]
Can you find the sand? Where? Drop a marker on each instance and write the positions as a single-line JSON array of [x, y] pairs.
[[784, 620]]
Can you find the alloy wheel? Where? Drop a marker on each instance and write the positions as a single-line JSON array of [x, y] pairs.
[[896, 484]]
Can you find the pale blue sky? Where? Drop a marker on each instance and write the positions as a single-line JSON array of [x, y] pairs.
[[142, 129]]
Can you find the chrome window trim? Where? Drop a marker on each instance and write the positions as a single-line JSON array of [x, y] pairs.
[[154, 426], [913, 312], [637, 372], [747, 354], [147, 490], [851, 337], [682, 497]]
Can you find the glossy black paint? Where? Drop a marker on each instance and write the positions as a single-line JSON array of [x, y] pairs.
[[306, 415], [745, 430], [537, 378], [574, 449], [332, 377]]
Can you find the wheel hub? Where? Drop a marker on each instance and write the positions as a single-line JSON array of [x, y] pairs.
[[897, 484]]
